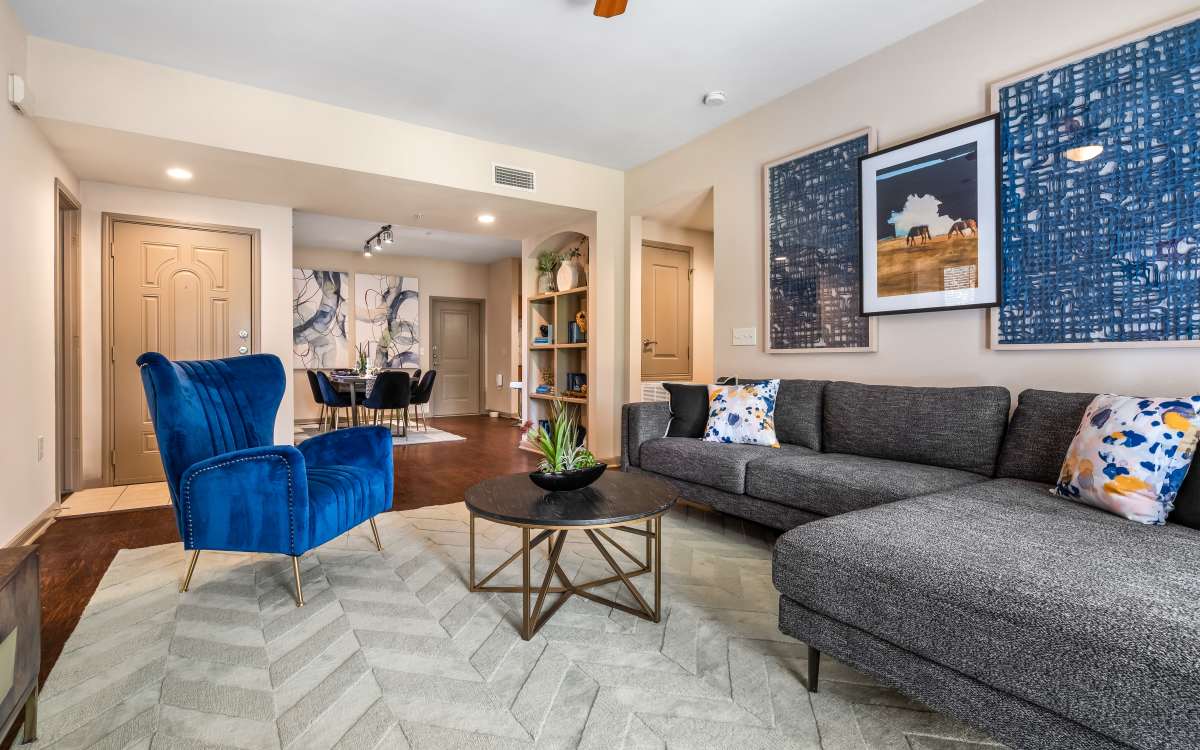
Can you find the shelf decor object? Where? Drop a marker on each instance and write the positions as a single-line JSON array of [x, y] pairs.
[[930, 222], [811, 250], [1100, 178]]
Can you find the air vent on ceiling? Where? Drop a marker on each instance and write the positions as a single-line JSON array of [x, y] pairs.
[[513, 177]]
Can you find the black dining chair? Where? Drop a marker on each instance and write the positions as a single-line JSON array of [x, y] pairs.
[[416, 378], [334, 399], [389, 398], [421, 395], [318, 398]]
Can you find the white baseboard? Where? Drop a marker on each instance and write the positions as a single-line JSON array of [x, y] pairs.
[[30, 533]]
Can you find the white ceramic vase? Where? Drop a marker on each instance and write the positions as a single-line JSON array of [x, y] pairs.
[[571, 275]]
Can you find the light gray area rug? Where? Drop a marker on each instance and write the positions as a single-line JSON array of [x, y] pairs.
[[415, 436], [392, 651]]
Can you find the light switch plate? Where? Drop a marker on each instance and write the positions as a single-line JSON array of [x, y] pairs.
[[745, 337]]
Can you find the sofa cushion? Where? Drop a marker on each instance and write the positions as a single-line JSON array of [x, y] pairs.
[[689, 409], [1063, 605], [1040, 433], [833, 483], [798, 412], [958, 428], [719, 465]]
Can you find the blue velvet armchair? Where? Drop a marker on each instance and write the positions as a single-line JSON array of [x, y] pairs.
[[232, 489]]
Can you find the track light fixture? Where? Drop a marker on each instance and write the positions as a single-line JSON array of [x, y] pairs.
[[376, 241]]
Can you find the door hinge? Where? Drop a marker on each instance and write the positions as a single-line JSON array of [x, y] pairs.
[[112, 353], [112, 458]]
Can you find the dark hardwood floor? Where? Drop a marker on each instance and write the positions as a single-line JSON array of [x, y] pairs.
[[75, 552]]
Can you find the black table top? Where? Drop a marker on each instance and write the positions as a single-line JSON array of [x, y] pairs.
[[614, 498]]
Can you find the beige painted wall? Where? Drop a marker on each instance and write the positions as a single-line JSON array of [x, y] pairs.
[[275, 292], [702, 289], [503, 344], [436, 277], [950, 67], [102, 90], [28, 168]]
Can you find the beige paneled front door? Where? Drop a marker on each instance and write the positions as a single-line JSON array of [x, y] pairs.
[[455, 356], [666, 312], [180, 291]]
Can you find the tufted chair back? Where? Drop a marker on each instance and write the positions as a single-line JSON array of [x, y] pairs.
[[209, 407]]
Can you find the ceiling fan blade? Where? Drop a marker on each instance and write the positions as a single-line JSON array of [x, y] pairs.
[[610, 8]]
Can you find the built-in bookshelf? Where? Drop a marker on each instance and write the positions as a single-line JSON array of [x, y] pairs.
[[557, 352]]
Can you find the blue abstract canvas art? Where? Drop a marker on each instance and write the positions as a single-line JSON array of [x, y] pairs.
[[319, 319], [1103, 252], [387, 314], [812, 251]]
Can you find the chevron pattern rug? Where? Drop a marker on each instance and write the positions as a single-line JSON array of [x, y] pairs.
[[392, 651]]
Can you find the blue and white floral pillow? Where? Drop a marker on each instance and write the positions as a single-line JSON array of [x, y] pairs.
[[1130, 455], [742, 414]]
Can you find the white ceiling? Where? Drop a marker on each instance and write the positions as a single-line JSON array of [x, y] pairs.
[[341, 233], [141, 161], [543, 74]]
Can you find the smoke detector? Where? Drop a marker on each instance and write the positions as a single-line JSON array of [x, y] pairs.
[[715, 98]]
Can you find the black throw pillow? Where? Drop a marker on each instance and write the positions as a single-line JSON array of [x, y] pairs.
[[689, 410], [1187, 502]]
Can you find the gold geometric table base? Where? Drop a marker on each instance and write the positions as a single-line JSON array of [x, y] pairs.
[[532, 617]]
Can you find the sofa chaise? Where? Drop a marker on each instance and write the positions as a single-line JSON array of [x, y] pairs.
[[922, 546]]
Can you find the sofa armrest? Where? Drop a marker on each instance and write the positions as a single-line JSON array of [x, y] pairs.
[[252, 500], [639, 423]]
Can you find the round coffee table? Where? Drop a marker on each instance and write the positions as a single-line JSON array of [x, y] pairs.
[[615, 502]]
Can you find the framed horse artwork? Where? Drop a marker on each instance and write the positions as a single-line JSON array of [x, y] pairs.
[[929, 222]]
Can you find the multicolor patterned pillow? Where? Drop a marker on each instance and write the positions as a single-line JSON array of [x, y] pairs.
[[742, 414], [1130, 455]]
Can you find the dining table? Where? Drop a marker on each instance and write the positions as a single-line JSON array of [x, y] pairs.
[[357, 385]]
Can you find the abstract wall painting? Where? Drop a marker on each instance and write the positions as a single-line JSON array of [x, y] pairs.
[[319, 302], [930, 224], [1103, 252], [811, 250], [386, 318]]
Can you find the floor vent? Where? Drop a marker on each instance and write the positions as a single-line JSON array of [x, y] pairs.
[[512, 177]]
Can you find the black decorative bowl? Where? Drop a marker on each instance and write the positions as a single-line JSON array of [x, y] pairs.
[[566, 481]]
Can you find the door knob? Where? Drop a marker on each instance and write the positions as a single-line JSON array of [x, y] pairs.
[[243, 349], [648, 342]]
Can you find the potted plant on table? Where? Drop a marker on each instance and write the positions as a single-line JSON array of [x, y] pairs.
[[566, 464]]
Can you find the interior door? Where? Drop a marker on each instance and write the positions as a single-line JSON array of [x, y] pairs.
[[183, 292], [455, 356], [666, 313]]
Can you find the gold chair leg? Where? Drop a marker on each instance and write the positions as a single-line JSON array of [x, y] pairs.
[[29, 727], [299, 590], [187, 579], [375, 532]]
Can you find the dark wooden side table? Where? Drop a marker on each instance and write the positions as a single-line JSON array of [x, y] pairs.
[[20, 639], [629, 503]]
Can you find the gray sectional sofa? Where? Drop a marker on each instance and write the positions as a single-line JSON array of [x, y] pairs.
[[922, 547]]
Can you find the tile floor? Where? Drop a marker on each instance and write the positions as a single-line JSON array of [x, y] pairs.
[[107, 499]]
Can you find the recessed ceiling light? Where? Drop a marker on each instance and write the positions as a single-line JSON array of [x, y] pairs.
[[179, 173], [715, 98], [487, 219]]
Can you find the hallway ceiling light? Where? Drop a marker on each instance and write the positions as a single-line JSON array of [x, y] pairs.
[[179, 173], [487, 219], [715, 98]]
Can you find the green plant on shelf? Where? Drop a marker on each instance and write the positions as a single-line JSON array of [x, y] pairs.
[[559, 445], [548, 261]]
